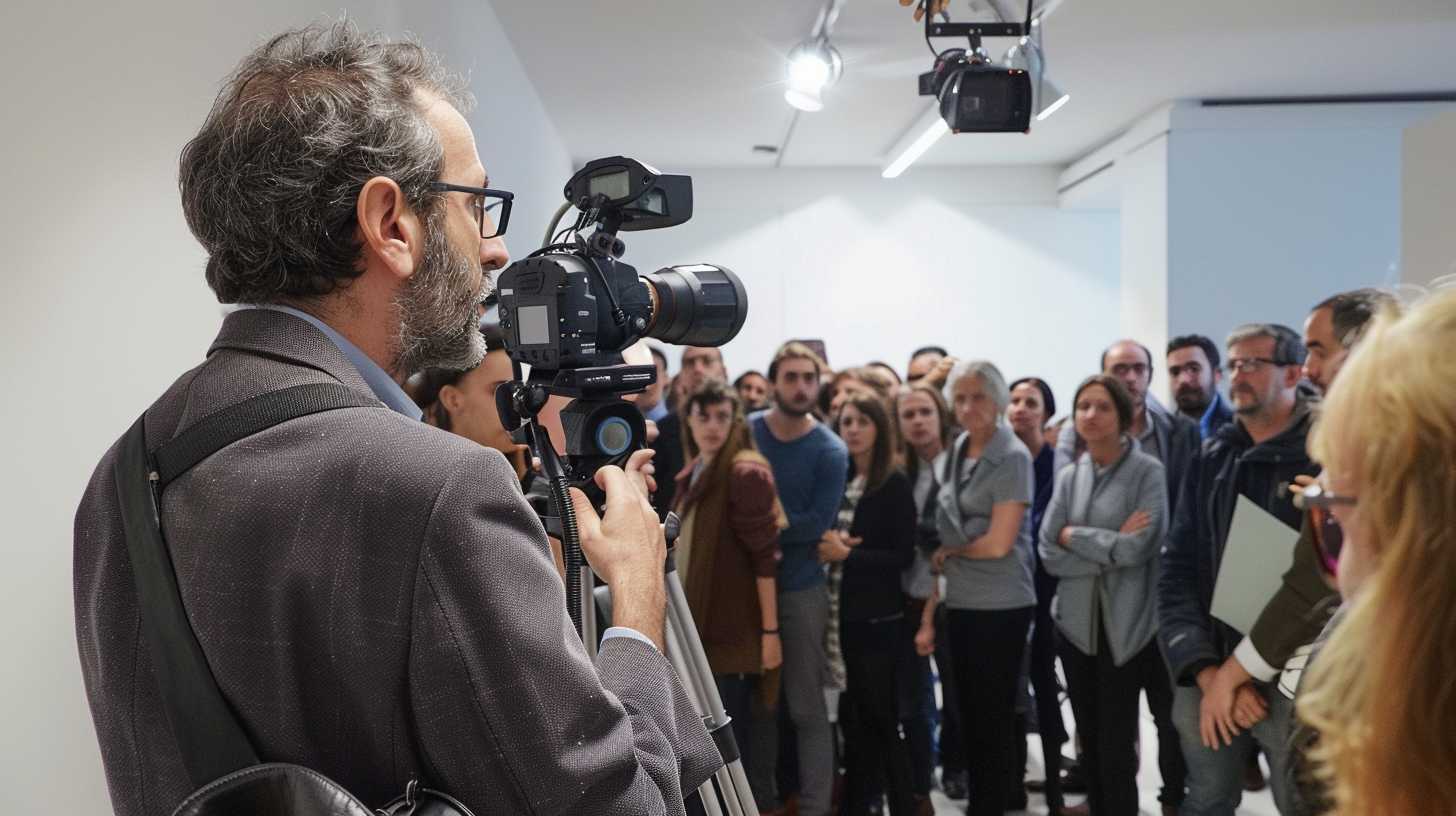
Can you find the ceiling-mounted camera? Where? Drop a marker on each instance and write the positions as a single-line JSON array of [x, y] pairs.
[[975, 95]]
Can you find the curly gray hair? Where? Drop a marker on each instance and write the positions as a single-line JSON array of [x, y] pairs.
[[270, 183]]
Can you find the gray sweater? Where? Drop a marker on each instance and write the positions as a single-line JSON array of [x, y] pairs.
[[1108, 578]]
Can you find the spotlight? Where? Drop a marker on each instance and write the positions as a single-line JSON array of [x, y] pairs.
[[813, 66]]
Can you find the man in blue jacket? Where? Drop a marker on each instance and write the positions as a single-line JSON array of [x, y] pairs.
[[1256, 456]]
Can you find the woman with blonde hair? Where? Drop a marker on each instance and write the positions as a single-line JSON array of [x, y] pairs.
[[1379, 692]]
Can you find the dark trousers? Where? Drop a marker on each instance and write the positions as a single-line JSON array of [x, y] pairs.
[[1046, 689], [870, 716], [987, 648], [952, 741], [737, 690], [1173, 769], [1105, 703], [917, 708]]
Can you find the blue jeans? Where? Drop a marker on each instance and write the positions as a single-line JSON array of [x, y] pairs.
[[1216, 777]]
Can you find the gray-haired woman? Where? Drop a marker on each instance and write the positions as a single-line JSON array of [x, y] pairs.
[[1100, 537], [986, 558]]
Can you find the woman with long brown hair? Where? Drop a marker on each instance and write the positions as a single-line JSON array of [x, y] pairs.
[[1378, 692], [727, 551], [867, 551]]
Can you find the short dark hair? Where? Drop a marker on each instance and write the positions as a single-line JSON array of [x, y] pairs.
[[271, 182], [660, 355], [738, 382], [1048, 402], [1352, 311], [1288, 347], [1102, 362], [1121, 400], [1210, 349]]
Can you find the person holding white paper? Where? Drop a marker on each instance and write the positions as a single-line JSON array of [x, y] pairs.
[[1256, 456], [1100, 536]]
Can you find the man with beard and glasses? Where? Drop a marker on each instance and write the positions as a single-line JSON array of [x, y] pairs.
[[810, 466], [374, 596], [1257, 456], [1193, 369]]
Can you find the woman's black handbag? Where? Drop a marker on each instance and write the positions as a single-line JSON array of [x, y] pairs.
[[215, 749]]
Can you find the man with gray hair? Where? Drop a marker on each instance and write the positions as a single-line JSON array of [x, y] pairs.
[[1279, 641], [1256, 456], [374, 596]]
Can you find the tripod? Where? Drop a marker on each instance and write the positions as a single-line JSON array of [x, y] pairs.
[[727, 792]]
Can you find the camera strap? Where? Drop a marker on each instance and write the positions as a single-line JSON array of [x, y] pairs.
[[210, 738]]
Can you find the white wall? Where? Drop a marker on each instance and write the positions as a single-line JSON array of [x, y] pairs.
[[1264, 223], [104, 300], [981, 261], [1428, 200]]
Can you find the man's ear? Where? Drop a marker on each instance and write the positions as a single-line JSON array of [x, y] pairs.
[[1292, 375], [390, 231]]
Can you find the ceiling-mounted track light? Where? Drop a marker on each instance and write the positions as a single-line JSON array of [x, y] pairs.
[[812, 66]]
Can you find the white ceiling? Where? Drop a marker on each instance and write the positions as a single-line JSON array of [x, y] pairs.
[[697, 83]]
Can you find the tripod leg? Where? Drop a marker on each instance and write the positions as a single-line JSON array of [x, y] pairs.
[[685, 651]]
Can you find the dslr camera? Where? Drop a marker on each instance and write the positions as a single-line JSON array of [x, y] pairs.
[[569, 309]]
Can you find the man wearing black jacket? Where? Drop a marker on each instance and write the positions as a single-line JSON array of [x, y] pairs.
[[1256, 456]]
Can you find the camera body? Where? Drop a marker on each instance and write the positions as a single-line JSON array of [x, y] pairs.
[[569, 310], [978, 97]]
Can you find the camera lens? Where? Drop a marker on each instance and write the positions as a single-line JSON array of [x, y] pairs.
[[697, 305], [614, 435]]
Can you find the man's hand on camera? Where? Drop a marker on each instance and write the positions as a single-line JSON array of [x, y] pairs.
[[625, 545]]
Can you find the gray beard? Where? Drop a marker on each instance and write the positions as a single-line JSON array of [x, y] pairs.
[[439, 320]]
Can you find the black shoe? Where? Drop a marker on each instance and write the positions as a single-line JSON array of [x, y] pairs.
[[954, 784], [1074, 778]]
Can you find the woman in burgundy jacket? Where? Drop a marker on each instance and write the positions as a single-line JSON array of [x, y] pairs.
[[728, 549]]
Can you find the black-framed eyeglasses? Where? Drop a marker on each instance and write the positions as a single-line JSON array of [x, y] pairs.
[[1251, 365], [492, 207]]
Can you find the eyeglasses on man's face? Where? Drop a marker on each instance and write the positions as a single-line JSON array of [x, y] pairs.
[[1251, 365], [492, 207]]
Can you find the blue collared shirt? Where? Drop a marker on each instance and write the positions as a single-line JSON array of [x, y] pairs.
[[378, 380], [389, 393], [1216, 416]]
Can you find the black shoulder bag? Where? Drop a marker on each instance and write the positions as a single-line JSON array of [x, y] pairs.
[[219, 757]]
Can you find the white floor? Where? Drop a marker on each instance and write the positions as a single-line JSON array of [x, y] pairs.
[[1254, 804]]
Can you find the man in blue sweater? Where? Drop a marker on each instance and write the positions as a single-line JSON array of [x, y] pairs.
[[810, 465]]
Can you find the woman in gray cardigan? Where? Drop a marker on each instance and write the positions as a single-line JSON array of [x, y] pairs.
[[1100, 536]]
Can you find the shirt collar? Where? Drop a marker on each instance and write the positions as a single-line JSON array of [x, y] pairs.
[[379, 381]]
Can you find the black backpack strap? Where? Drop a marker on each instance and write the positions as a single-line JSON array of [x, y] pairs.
[[216, 431], [209, 736]]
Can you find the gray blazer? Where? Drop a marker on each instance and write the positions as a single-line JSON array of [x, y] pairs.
[[1108, 579], [377, 601]]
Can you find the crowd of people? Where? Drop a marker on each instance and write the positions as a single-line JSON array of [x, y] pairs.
[[852, 540], [885, 573]]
